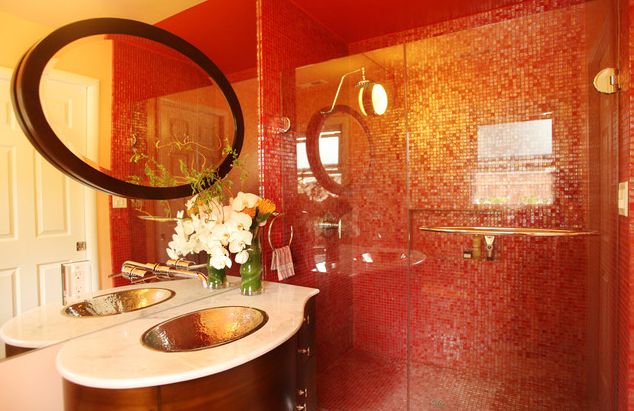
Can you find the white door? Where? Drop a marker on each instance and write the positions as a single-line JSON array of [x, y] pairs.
[[42, 212]]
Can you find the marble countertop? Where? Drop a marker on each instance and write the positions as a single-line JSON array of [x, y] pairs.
[[115, 358], [45, 325]]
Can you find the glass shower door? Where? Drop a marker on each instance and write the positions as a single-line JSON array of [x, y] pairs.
[[506, 130]]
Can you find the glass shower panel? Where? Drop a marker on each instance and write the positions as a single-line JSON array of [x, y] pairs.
[[351, 194], [505, 131]]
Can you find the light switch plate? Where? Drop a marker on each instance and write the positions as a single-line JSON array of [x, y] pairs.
[[623, 198], [119, 202]]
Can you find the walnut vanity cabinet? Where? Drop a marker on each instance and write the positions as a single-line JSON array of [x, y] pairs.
[[11, 350], [280, 380]]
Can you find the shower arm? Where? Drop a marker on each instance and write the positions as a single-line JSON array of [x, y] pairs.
[[332, 108]]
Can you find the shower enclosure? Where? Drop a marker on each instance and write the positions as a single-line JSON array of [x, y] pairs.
[[464, 242]]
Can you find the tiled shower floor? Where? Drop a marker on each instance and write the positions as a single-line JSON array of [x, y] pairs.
[[361, 382]]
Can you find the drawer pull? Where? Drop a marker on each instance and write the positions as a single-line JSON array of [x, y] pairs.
[[302, 392], [305, 351], [301, 407]]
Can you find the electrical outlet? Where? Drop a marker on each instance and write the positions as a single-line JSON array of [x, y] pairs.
[[623, 198], [77, 279], [119, 202]]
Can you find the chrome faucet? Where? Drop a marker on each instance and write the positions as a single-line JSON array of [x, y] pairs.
[[138, 272]]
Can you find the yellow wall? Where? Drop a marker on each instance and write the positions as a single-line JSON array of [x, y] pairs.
[[92, 57], [17, 35]]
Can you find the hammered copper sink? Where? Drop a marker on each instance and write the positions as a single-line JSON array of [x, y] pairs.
[[205, 328], [119, 302]]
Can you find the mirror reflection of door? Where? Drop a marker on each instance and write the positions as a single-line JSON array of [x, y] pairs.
[[182, 120], [43, 213]]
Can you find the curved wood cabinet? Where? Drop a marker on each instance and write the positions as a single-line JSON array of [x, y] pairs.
[[11, 350], [281, 380]]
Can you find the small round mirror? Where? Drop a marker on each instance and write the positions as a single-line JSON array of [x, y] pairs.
[[338, 147], [127, 108]]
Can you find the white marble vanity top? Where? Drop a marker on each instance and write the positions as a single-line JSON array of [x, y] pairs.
[[115, 357], [46, 325]]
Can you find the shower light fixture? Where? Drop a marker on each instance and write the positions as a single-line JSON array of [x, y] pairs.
[[372, 96]]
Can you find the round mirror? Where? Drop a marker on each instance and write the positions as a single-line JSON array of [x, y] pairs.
[[338, 147], [159, 111]]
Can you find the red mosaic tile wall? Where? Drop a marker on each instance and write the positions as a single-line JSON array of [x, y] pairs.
[[141, 70], [528, 308], [497, 15], [137, 77], [287, 39], [527, 318]]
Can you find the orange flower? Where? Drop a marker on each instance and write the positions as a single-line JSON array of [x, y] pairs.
[[265, 207], [249, 211]]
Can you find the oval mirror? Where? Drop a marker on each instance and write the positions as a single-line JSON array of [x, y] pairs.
[[160, 111], [338, 147]]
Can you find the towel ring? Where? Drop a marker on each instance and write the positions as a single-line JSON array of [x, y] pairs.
[[271, 226]]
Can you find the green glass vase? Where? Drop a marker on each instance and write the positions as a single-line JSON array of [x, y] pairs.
[[251, 271], [216, 278]]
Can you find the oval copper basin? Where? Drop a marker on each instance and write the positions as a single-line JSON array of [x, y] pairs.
[[206, 328], [119, 302]]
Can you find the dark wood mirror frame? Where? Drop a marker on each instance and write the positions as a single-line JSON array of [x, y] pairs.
[[313, 131], [25, 95]]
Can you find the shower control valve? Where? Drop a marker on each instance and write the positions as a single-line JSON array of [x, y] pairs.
[[488, 241]]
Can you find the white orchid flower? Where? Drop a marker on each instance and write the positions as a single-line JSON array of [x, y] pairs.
[[226, 213], [190, 203], [221, 233], [238, 240], [239, 222], [180, 245], [219, 258], [207, 240], [209, 246], [172, 253], [242, 257], [184, 227], [213, 211], [244, 200]]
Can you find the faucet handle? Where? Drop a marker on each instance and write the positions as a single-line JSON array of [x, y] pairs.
[[328, 222], [132, 273]]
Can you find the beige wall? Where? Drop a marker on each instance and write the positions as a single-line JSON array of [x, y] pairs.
[[92, 57], [17, 35], [31, 382]]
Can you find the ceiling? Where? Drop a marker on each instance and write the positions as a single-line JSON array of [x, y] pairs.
[[225, 30], [55, 13], [354, 20]]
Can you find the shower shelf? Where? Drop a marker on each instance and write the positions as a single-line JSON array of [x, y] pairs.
[[533, 232]]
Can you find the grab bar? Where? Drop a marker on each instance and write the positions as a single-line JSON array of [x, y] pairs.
[[533, 232]]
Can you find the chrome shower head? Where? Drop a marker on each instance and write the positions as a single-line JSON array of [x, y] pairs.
[[372, 95]]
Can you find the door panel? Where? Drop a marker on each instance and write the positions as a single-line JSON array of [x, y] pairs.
[[9, 303], [50, 288], [7, 193], [51, 188]]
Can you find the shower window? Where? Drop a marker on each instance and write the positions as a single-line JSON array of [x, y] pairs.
[[515, 164]]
